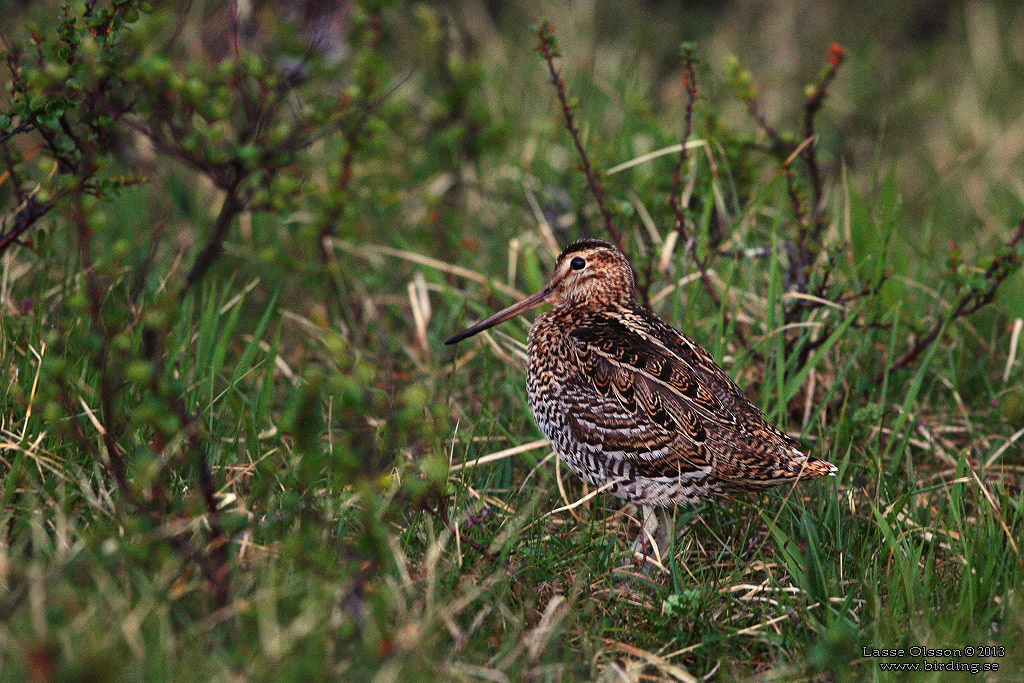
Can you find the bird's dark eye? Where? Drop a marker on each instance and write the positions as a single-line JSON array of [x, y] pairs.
[[578, 263]]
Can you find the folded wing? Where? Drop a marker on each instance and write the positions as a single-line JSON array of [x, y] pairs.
[[653, 398]]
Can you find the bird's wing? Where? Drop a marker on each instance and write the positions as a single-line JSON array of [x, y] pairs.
[[748, 418], [652, 397], [633, 403]]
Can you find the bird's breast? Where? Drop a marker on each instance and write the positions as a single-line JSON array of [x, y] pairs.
[[549, 364]]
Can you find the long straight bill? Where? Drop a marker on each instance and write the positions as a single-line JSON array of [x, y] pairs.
[[501, 316]]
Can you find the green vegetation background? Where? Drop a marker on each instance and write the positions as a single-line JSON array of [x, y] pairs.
[[233, 445]]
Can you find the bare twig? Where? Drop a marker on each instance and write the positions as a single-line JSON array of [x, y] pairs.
[[442, 512], [215, 244], [22, 127], [182, 13], [778, 145], [115, 461], [549, 49], [811, 221], [233, 30], [809, 216], [352, 135], [799, 266], [24, 220], [690, 85], [689, 242], [215, 573], [971, 300], [836, 55]]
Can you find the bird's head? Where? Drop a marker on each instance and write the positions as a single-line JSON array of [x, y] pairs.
[[589, 274]]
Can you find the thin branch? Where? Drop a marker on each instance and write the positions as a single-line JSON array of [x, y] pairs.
[[182, 14], [233, 10], [216, 563], [25, 219], [215, 245], [778, 145], [442, 511], [115, 460], [800, 265], [810, 222], [22, 127], [690, 85], [836, 55], [352, 135], [163, 145], [689, 242], [218, 573], [972, 300], [548, 48]]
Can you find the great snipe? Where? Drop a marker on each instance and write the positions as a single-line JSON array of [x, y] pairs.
[[631, 404]]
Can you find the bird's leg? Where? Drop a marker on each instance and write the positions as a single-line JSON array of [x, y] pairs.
[[666, 532], [648, 528]]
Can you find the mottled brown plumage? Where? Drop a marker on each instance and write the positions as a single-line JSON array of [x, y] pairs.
[[633, 405]]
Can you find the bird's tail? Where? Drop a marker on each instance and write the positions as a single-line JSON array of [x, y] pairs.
[[815, 467]]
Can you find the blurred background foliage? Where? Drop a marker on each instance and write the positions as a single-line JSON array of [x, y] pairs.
[[236, 234]]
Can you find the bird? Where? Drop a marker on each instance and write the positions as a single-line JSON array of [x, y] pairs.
[[634, 406]]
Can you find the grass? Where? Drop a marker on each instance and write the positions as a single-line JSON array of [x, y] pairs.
[[385, 508]]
